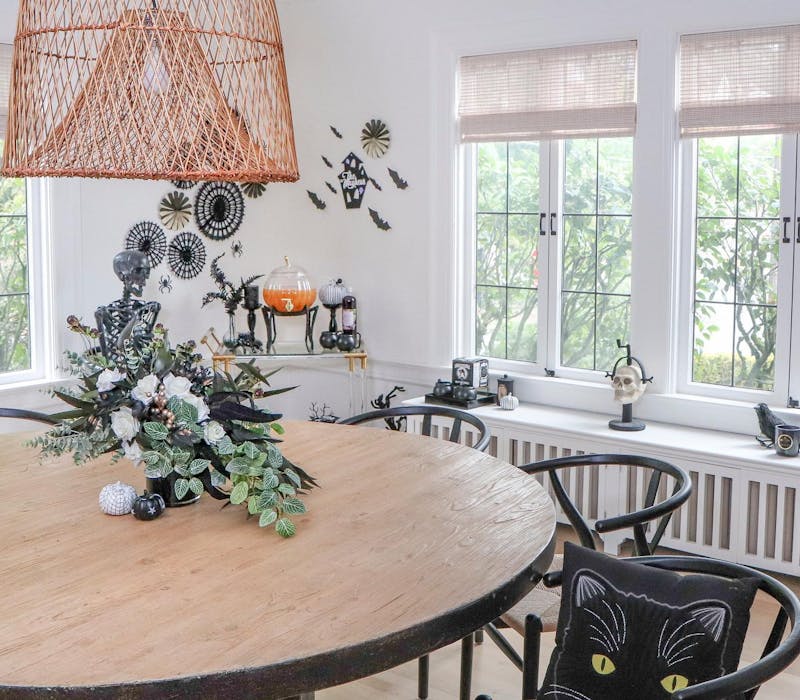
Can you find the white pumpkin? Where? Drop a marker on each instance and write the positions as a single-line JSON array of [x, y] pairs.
[[117, 499], [509, 402]]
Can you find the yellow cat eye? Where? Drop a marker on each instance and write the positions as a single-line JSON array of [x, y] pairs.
[[674, 682], [604, 666]]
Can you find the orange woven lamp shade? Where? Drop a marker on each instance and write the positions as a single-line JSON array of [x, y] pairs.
[[154, 89]]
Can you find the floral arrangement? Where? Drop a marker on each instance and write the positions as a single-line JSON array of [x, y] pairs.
[[168, 412]]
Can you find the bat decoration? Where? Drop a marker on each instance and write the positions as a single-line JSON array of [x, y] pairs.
[[336, 132], [330, 187], [375, 184], [398, 181], [318, 203], [327, 162], [382, 224]]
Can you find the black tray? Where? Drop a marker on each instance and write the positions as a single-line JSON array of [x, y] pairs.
[[484, 397]]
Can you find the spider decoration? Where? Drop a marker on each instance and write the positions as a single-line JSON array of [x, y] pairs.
[[148, 238], [237, 249], [165, 284], [219, 209], [175, 210], [184, 184], [254, 189], [186, 255]]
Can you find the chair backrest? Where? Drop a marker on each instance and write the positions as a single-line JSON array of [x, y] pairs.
[[428, 413], [636, 520], [776, 656]]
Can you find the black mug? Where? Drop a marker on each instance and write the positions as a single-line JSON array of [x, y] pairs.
[[787, 440]]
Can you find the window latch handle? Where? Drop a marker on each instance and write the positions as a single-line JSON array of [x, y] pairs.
[[553, 224], [542, 217], [786, 220], [797, 240]]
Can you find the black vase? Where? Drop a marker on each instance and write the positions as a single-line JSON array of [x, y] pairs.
[[165, 487]]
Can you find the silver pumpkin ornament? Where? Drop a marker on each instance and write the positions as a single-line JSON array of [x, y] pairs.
[[117, 499]]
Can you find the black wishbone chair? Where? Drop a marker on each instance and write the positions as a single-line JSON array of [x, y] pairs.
[[538, 611], [458, 418], [776, 656]]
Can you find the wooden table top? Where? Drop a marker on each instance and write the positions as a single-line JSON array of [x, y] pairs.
[[409, 544]]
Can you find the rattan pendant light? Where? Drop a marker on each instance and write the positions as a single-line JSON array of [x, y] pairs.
[[153, 89]]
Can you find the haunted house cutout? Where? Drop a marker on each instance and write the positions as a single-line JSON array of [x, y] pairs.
[[353, 181]]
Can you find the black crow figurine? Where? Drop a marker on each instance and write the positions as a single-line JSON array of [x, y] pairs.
[[767, 421]]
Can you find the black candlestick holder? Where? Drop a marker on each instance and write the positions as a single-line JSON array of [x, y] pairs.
[[310, 312], [252, 304]]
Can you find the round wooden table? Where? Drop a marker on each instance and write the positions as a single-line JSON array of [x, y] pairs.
[[410, 544]]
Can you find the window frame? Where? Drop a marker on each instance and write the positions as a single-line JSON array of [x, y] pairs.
[[788, 266], [40, 293]]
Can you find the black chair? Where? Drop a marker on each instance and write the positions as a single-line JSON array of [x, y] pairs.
[[542, 604], [776, 656], [428, 413], [394, 418]]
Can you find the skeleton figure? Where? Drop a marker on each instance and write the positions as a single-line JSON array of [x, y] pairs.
[[628, 385], [127, 318]]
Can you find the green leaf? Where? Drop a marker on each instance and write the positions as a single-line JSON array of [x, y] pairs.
[[287, 489], [275, 457], [271, 480], [239, 465], [252, 505], [239, 493], [183, 471], [198, 466], [267, 499], [165, 468], [250, 450], [292, 476], [293, 506], [277, 428], [267, 518], [152, 472], [225, 446], [285, 527], [181, 457], [151, 457], [185, 413], [218, 479], [157, 431], [195, 485], [181, 488]]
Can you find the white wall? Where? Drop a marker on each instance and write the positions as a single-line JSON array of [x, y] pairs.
[[350, 61]]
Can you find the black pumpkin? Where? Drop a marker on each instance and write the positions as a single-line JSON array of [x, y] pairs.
[[148, 506]]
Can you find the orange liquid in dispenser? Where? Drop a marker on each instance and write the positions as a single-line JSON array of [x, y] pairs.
[[287, 300]]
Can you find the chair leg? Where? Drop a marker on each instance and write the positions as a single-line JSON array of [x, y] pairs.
[[466, 668], [479, 636], [423, 666], [530, 657]]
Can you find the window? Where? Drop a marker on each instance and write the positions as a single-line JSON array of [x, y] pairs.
[[551, 202], [739, 114], [21, 254]]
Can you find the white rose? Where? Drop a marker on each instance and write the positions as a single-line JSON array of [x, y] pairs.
[[213, 432], [145, 389], [132, 451], [106, 379], [199, 403], [177, 386], [124, 425]]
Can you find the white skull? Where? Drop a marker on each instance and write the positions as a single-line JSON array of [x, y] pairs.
[[628, 384]]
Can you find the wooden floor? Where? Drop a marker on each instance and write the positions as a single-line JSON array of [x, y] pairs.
[[494, 674]]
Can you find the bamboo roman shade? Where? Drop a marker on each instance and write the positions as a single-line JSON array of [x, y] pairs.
[[6, 51], [740, 82], [574, 91]]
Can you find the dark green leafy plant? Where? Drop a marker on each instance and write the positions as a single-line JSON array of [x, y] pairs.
[[167, 411]]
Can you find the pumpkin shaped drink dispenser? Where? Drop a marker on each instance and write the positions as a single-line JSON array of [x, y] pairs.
[[287, 289]]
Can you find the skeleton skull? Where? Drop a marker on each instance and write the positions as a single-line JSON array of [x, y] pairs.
[[133, 268], [628, 385]]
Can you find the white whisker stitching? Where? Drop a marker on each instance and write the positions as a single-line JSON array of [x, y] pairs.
[[672, 651], [603, 622]]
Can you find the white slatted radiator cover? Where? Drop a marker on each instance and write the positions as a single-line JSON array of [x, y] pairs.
[[744, 505]]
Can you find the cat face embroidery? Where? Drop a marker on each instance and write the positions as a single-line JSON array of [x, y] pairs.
[[622, 646]]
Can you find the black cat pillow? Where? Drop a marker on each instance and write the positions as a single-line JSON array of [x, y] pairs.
[[630, 632]]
